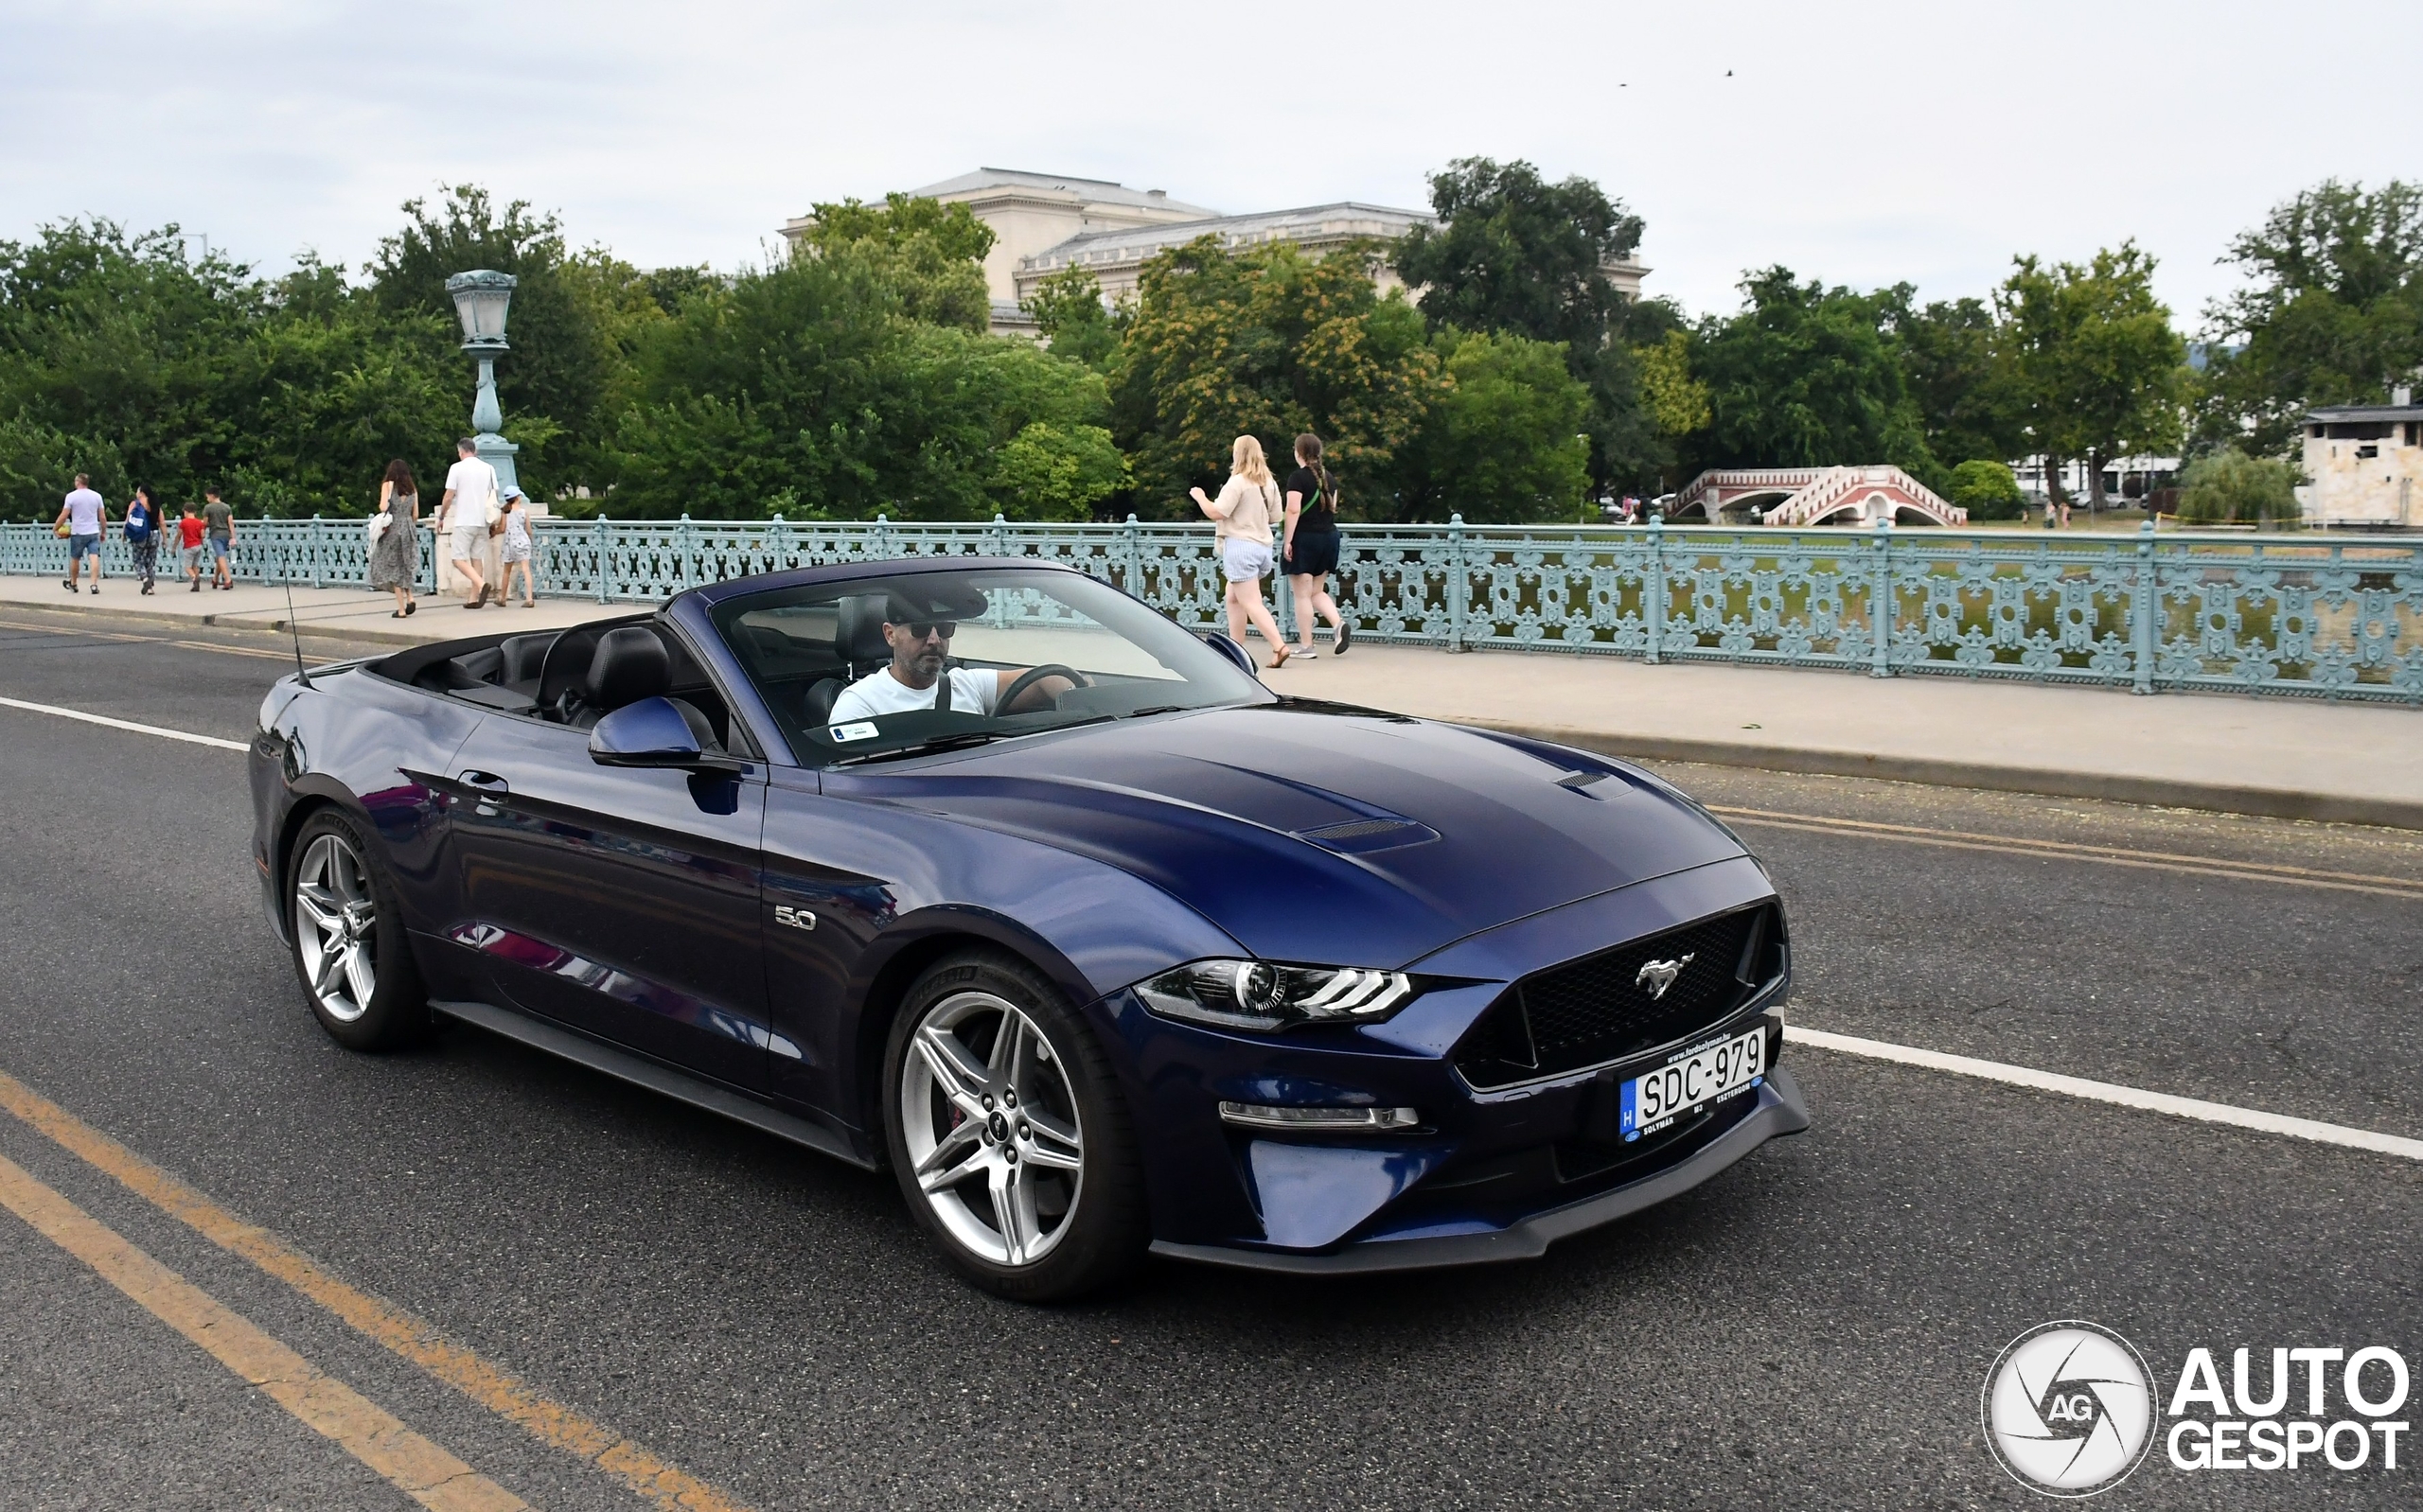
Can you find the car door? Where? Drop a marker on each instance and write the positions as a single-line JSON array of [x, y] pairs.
[[621, 901], [834, 880]]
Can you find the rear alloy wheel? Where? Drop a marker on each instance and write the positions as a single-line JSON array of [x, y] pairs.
[[1006, 1134], [349, 948]]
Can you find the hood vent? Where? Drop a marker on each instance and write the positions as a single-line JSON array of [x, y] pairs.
[[1360, 836]]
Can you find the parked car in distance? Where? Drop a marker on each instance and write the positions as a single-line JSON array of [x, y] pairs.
[[987, 873]]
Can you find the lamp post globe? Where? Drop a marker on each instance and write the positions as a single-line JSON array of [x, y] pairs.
[[481, 298]]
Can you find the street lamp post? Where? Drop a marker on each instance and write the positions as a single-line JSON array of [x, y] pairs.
[[480, 298]]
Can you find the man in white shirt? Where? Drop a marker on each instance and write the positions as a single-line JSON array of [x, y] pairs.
[[470, 507], [919, 648], [85, 516]]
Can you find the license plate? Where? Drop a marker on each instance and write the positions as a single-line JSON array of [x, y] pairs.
[[1658, 1097]]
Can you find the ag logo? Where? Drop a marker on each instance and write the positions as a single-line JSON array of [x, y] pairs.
[[2069, 1409]]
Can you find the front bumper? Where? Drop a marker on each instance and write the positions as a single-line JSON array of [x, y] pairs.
[[1779, 1110]]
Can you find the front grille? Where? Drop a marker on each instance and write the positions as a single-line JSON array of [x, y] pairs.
[[1589, 1011]]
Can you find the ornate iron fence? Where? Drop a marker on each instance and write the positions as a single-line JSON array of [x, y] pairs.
[[2299, 616]]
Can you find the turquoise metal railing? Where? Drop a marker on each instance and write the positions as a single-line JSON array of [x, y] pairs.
[[2336, 617]]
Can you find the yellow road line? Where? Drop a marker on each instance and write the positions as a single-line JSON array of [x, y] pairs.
[[416, 1467], [2064, 850], [490, 1385]]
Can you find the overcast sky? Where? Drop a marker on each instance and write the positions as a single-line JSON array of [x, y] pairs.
[[1860, 142]]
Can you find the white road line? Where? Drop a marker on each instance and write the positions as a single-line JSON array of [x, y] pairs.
[[123, 723], [2075, 1086]]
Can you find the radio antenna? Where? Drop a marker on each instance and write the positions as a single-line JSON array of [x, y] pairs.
[[302, 674]]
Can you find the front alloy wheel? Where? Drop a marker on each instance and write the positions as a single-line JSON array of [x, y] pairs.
[[1007, 1137], [992, 1129], [336, 928], [350, 951]]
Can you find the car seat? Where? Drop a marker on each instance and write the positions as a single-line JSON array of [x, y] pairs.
[[857, 640], [630, 664], [521, 659]]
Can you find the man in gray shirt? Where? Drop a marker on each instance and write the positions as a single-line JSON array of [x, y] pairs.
[[220, 522], [85, 517]]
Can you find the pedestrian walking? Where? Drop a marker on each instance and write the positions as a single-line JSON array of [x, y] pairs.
[[471, 512], [83, 516], [1309, 551], [218, 523], [1247, 504], [189, 545], [395, 537], [517, 549], [143, 525], [2048, 511]]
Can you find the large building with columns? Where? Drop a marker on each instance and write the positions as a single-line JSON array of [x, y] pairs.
[[1045, 223]]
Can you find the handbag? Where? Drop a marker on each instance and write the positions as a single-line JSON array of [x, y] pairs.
[[379, 524]]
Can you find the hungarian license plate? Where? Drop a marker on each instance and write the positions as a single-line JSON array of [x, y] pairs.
[[1657, 1098]]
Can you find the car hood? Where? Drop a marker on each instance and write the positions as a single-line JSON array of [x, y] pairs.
[[1319, 835]]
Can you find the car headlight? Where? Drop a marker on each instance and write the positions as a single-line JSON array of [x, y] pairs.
[[1263, 996]]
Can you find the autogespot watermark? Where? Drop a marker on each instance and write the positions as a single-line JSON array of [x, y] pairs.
[[2071, 1408]]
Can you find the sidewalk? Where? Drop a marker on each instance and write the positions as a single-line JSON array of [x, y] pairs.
[[2288, 758]]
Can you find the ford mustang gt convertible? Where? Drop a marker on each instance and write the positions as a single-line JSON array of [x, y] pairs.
[[985, 871]]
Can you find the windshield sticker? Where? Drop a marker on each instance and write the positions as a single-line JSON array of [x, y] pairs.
[[863, 730]]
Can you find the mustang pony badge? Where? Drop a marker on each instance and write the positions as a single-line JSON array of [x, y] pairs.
[[1658, 975]]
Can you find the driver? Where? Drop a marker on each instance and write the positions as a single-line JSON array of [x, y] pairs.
[[909, 681]]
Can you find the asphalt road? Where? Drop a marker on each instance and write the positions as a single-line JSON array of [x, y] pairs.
[[1811, 1329]]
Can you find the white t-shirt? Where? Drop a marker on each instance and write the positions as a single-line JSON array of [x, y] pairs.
[[972, 691], [473, 485], [84, 513]]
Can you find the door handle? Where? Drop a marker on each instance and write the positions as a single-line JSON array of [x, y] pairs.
[[485, 786]]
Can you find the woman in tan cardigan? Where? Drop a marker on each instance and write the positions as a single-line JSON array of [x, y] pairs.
[[1247, 505]]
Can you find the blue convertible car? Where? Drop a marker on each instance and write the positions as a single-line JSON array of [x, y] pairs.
[[987, 873]]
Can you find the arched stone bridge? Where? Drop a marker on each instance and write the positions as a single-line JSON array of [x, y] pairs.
[[1812, 495]]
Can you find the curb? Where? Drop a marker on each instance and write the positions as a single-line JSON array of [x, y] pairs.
[[240, 621], [2223, 797]]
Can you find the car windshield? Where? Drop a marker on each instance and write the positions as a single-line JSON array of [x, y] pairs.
[[877, 668]]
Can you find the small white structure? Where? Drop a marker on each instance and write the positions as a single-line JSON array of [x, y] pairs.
[[1812, 495], [2362, 464]]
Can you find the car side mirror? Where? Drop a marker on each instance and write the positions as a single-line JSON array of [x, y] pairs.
[[1219, 641], [658, 732]]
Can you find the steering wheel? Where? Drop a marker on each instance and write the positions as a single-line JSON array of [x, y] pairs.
[[1033, 674]]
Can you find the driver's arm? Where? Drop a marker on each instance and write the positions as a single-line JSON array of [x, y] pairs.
[[1037, 697]]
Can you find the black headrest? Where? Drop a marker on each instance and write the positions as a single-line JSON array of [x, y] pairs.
[[858, 634], [524, 656], [630, 665]]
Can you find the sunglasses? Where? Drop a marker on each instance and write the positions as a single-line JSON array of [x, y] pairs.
[[946, 628]]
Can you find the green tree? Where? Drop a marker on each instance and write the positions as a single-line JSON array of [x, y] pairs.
[[2332, 312], [805, 389], [1513, 252], [1677, 402], [1068, 308], [1272, 343], [1806, 377], [2097, 371], [1502, 441], [1986, 489], [121, 357], [559, 383], [931, 254], [2230, 487], [1951, 352], [1058, 472]]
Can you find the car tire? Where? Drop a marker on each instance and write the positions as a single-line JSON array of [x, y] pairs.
[[349, 947], [1018, 1160]]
